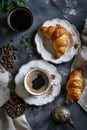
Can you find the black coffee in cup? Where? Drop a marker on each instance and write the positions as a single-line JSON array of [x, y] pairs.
[[20, 19]]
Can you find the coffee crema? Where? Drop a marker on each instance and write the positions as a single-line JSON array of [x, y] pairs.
[[37, 81]]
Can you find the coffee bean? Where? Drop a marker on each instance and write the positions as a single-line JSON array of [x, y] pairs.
[[15, 107], [8, 55], [12, 40], [1, 49], [13, 65], [0, 61], [5, 49], [15, 49], [5, 66]]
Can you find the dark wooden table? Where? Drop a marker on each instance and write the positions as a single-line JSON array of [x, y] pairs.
[[40, 117]]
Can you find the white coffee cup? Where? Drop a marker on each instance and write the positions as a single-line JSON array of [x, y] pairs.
[[37, 82]]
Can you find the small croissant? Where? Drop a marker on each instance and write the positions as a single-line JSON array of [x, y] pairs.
[[58, 36], [74, 86]]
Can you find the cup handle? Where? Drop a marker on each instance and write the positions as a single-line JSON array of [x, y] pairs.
[[54, 83]]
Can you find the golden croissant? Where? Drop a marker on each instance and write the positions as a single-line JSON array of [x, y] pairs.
[[74, 86], [58, 36]]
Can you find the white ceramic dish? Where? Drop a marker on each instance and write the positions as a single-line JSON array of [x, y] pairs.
[[46, 50], [54, 90]]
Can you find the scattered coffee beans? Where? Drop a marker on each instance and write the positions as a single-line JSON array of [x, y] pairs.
[[15, 107], [8, 55]]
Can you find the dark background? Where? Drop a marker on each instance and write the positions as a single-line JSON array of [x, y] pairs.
[[40, 117]]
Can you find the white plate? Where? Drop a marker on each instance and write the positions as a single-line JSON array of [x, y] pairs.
[[52, 92], [45, 48]]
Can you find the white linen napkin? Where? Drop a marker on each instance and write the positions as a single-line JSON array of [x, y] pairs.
[[81, 62], [4, 81], [6, 122]]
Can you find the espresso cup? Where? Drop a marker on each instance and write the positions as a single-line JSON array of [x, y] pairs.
[[20, 19], [37, 82]]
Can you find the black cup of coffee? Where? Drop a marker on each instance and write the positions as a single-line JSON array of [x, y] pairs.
[[20, 19]]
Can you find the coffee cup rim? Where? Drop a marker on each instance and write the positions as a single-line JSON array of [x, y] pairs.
[[33, 93], [17, 8]]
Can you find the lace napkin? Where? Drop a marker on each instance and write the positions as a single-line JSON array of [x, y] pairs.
[[6, 122], [81, 62]]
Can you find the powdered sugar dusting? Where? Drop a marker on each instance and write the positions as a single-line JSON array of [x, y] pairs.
[[70, 12], [46, 1], [64, 72], [54, 0], [67, 7]]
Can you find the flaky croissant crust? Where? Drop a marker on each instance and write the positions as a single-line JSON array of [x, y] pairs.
[[74, 86], [58, 36]]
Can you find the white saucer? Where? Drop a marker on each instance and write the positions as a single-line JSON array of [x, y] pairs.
[[46, 50], [52, 92]]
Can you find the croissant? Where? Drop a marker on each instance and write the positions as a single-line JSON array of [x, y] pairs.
[[58, 36], [74, 86]]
